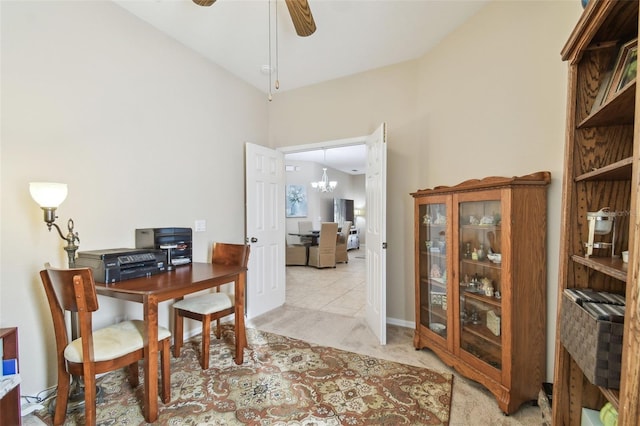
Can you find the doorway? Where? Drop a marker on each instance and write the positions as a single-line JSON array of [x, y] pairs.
[[265, 193], [341, 290]]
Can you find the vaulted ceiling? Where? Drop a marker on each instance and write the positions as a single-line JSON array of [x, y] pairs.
[[352, 36]]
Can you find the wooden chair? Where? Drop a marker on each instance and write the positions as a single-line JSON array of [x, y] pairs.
[[341, 246], [95, 351], [324, 254], [211, 306]]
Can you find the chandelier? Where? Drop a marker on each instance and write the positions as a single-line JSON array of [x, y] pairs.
[[324, 184]]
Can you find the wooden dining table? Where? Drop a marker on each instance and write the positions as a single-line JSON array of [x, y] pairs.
[[184, 280]]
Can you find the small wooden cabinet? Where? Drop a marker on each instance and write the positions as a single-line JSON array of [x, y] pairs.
[[480, 272], [10, 403], [602, 153]]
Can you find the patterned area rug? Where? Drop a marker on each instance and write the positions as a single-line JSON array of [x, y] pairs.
[[283, 381]]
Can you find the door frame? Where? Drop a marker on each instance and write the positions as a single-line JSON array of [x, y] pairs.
[[378, 257], [358, 140]]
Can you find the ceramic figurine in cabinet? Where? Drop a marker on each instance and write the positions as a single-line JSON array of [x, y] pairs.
[[486, 220], [436, 272]]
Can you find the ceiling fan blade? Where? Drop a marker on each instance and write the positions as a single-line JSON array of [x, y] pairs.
[[204, 2], [301, 17]]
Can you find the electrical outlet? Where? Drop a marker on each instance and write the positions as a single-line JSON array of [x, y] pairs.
[[29, 407]]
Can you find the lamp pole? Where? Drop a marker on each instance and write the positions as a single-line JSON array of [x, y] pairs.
[[76, 391], [71, 238]]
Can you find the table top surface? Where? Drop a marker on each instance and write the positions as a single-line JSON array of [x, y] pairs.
[[182, 280]]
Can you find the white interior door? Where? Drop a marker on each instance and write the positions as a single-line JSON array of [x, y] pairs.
[[376, 231], [265, 219]]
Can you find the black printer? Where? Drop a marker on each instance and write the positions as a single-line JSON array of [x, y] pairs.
[[113, 265], [178, 240]]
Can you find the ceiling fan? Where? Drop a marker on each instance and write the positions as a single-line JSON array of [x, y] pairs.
[[299, 11]]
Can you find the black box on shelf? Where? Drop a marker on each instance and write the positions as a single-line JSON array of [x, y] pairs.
[[181, 238]]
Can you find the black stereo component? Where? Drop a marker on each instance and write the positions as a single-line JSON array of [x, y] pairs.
[[179, 239], [113, 265]]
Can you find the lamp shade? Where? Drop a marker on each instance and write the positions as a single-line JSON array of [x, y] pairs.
[[48, 194]]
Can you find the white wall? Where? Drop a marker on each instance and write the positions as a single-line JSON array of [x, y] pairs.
[[489, 100], [144, 132]]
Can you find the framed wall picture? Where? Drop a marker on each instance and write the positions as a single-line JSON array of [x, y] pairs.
[[296, 201], [602, 91], [625, 69]]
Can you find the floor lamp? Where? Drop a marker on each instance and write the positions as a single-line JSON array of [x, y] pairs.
[[49, 196]]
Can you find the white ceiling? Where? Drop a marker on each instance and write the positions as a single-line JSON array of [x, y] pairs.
[[352, 36], [348, 159]]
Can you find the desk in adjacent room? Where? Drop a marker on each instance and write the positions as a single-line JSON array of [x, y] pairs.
[[152, 290]]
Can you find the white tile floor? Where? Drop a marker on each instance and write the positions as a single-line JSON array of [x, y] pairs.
[[339, 290]]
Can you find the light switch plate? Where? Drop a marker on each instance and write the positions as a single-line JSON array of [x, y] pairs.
[[201, 225]]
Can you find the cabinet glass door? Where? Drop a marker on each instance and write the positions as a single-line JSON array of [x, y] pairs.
[[433, 267], [480, 280]]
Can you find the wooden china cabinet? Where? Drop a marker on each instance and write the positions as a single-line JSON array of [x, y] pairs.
[[481, 277], [601, 170]]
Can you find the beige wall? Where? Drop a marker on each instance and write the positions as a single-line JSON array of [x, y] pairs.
[[489, 100], [144, 132]]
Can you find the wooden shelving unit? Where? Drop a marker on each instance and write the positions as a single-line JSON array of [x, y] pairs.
[[601, 170]]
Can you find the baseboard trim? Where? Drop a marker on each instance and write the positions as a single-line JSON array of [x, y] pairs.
[[401, 323]]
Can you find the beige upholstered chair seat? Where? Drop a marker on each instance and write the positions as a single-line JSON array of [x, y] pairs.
[[324, 254], [296, 255], [113, 341], [205, 304]]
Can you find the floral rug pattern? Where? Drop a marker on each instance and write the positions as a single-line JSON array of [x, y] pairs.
[[283, 381]]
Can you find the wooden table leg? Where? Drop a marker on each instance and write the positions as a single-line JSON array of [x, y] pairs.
[[151, 359], [241, 336]]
